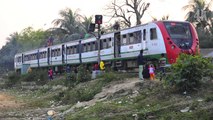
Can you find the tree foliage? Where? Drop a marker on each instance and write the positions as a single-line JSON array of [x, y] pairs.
[[189, 72], [71, 25], [199, 13], [27, 39]]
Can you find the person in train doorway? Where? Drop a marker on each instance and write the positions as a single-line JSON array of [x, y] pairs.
[[141, 62], [162, 62], [50, 74]]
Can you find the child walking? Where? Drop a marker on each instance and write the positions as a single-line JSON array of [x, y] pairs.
[[152, 72]]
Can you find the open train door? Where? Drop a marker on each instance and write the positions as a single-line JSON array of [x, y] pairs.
[[63, 52], [48, 56], [144, 40], [117, 45]]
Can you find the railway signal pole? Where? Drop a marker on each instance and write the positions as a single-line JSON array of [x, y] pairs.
[[99, 44], [98, 20]]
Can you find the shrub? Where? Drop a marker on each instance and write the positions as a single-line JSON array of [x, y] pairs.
[[70, 79], [83, 74], [188, 72], [81, 92], [13, 79], [38, 76]]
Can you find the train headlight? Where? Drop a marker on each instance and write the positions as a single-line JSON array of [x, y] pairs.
[[173, 47]]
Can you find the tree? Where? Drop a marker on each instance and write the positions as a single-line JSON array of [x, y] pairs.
[[18, 42], [31, 39], [131, 8], [8, 52], [68, 24], [165, 17], [86, 23], [199, 13]]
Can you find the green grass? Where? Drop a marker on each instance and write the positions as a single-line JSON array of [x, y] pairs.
[[154, 101]]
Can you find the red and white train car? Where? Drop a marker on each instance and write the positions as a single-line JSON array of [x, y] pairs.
[[155, 38]]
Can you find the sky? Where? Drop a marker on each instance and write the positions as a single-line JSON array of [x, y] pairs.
[[19, 14]]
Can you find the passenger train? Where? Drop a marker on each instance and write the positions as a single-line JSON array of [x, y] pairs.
[[122, 46]]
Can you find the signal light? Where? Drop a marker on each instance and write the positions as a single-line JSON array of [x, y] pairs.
[[98, 19]]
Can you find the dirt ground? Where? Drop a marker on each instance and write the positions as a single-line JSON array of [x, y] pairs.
[[8, 102]]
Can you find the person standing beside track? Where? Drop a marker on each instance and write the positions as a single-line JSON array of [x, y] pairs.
[[50, 74], [102, 66], [140, 61], [162, 62]]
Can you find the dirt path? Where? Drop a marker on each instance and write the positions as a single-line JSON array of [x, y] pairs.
[[8, 102], [120, 88], [10, 107]]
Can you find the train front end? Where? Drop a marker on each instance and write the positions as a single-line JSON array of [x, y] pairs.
[[179, 37]]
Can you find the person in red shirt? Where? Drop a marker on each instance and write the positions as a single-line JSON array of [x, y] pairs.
[[50, 74]]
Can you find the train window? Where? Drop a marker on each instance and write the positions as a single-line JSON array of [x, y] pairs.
[[104, 44], [84, 48], [88, 47], [52, 53], [144, 34], [58, 52], [74, 49], [45, 54], [109, 43], [93, 46], [40, 55], [19, 59], [124, 40], [153, 34], [137, 36], [70, 50], [101, 44], [67, 50], [131, 38], [27, 58]]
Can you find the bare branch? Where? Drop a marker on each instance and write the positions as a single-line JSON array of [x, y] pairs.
[[135, 8]]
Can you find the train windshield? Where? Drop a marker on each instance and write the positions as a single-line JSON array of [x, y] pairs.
[[180, 34]]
